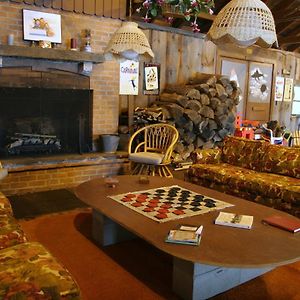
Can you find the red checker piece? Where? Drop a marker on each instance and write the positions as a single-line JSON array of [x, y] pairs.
[[141, 200], [163, 210], [148, 209], [136, 204], [152, 205], [154, 200], [161, 216], [125, 199], [178, 212], [130, 195], [141, 196], [165, 205]]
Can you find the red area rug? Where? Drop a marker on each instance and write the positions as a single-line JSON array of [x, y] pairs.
[[135, 269]]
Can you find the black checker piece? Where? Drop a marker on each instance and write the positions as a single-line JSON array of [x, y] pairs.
[[198, 198], [195, 203], [196, 209], [181, 207], [160, 191], [170, 198]]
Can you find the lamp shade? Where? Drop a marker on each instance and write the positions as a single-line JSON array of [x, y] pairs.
[[129, 39], [245, 23]]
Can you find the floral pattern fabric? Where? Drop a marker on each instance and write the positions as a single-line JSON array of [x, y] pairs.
[[254, 170], [10, 232], [243, 152], [282, 160], [5, 207], [206, 156], [29, 271]]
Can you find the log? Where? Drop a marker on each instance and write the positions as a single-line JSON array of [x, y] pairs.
[[212, 92], [173, 98], [194, 116], [207, 112], [214, 103], [212, 81], [194, 105], [193, 94], [220, 90], [205, 99], [178, 89]]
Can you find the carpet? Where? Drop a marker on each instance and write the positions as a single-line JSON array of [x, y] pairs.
[[31, 205], [135, 269]]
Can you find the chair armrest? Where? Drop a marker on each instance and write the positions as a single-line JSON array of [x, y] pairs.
[[206, 156]]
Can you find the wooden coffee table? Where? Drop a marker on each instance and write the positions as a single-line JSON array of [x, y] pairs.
[[226, 256]]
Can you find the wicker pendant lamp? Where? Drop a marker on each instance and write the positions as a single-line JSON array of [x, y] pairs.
[[129, 41], [245, 23]]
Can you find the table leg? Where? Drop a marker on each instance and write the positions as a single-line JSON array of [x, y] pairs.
[[107, 232], [198, 281]]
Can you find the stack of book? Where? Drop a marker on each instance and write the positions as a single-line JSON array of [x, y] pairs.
[[185, 234]]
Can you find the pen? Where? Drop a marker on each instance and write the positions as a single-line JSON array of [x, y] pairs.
[[199, 230]]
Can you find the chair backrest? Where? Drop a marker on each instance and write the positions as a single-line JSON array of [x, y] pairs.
[[155, 138], [296, 138]]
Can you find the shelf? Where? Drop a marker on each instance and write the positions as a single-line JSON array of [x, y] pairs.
[[50, 54]]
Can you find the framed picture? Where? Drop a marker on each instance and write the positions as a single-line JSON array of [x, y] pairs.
[[40, 26], [151, 78]]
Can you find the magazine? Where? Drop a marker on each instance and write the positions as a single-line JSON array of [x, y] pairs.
[[185, 234], [234, 220]]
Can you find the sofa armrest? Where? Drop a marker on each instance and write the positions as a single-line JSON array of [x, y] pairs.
[[206, 156]]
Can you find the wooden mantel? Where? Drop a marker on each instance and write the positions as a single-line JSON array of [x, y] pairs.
[[18, 55], [50, 54]]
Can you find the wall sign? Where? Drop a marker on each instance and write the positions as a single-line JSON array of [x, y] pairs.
[[129, 78], [279, 88], [288, 89]]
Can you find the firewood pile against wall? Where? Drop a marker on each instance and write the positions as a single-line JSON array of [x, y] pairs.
[[202, 111]]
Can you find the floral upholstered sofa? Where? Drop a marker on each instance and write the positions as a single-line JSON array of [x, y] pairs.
[[27, 269], [253, 170]]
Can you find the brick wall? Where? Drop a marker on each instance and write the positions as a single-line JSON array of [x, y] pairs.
[[105, 76], [104, 81], [51, 179]]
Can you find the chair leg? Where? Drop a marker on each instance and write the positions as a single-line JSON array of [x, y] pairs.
[[164, 171]]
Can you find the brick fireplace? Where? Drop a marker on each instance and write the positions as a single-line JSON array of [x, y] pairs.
[[44, 172]]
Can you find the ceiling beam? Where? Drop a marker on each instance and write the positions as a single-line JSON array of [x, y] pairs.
[[289, 40]]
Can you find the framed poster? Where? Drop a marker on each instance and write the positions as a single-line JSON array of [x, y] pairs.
[[151, 78], [129, 77], [279, 88], [237, 70], [288, 89], [40, 26]]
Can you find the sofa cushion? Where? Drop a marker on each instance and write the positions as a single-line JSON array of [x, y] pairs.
[[257, 183], [243, 152], [5, 207], [10, 232], [282, 160], [29, 271], [147, 157]]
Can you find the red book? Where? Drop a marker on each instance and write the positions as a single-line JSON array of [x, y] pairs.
[[290, 224]]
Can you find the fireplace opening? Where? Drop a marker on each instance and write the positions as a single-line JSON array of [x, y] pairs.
[[35, 121]]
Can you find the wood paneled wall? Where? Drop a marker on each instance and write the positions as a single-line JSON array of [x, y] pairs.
[[107, 8]]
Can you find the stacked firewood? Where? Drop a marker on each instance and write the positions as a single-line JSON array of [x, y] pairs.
[[202, 111]]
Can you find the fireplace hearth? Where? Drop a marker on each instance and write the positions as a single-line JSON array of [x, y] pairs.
[[45, 121]]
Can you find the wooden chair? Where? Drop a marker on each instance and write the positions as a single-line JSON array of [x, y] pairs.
[[296, 138], [150, 149]]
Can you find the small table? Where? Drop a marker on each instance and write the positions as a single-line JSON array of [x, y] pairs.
[[226, 256]]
